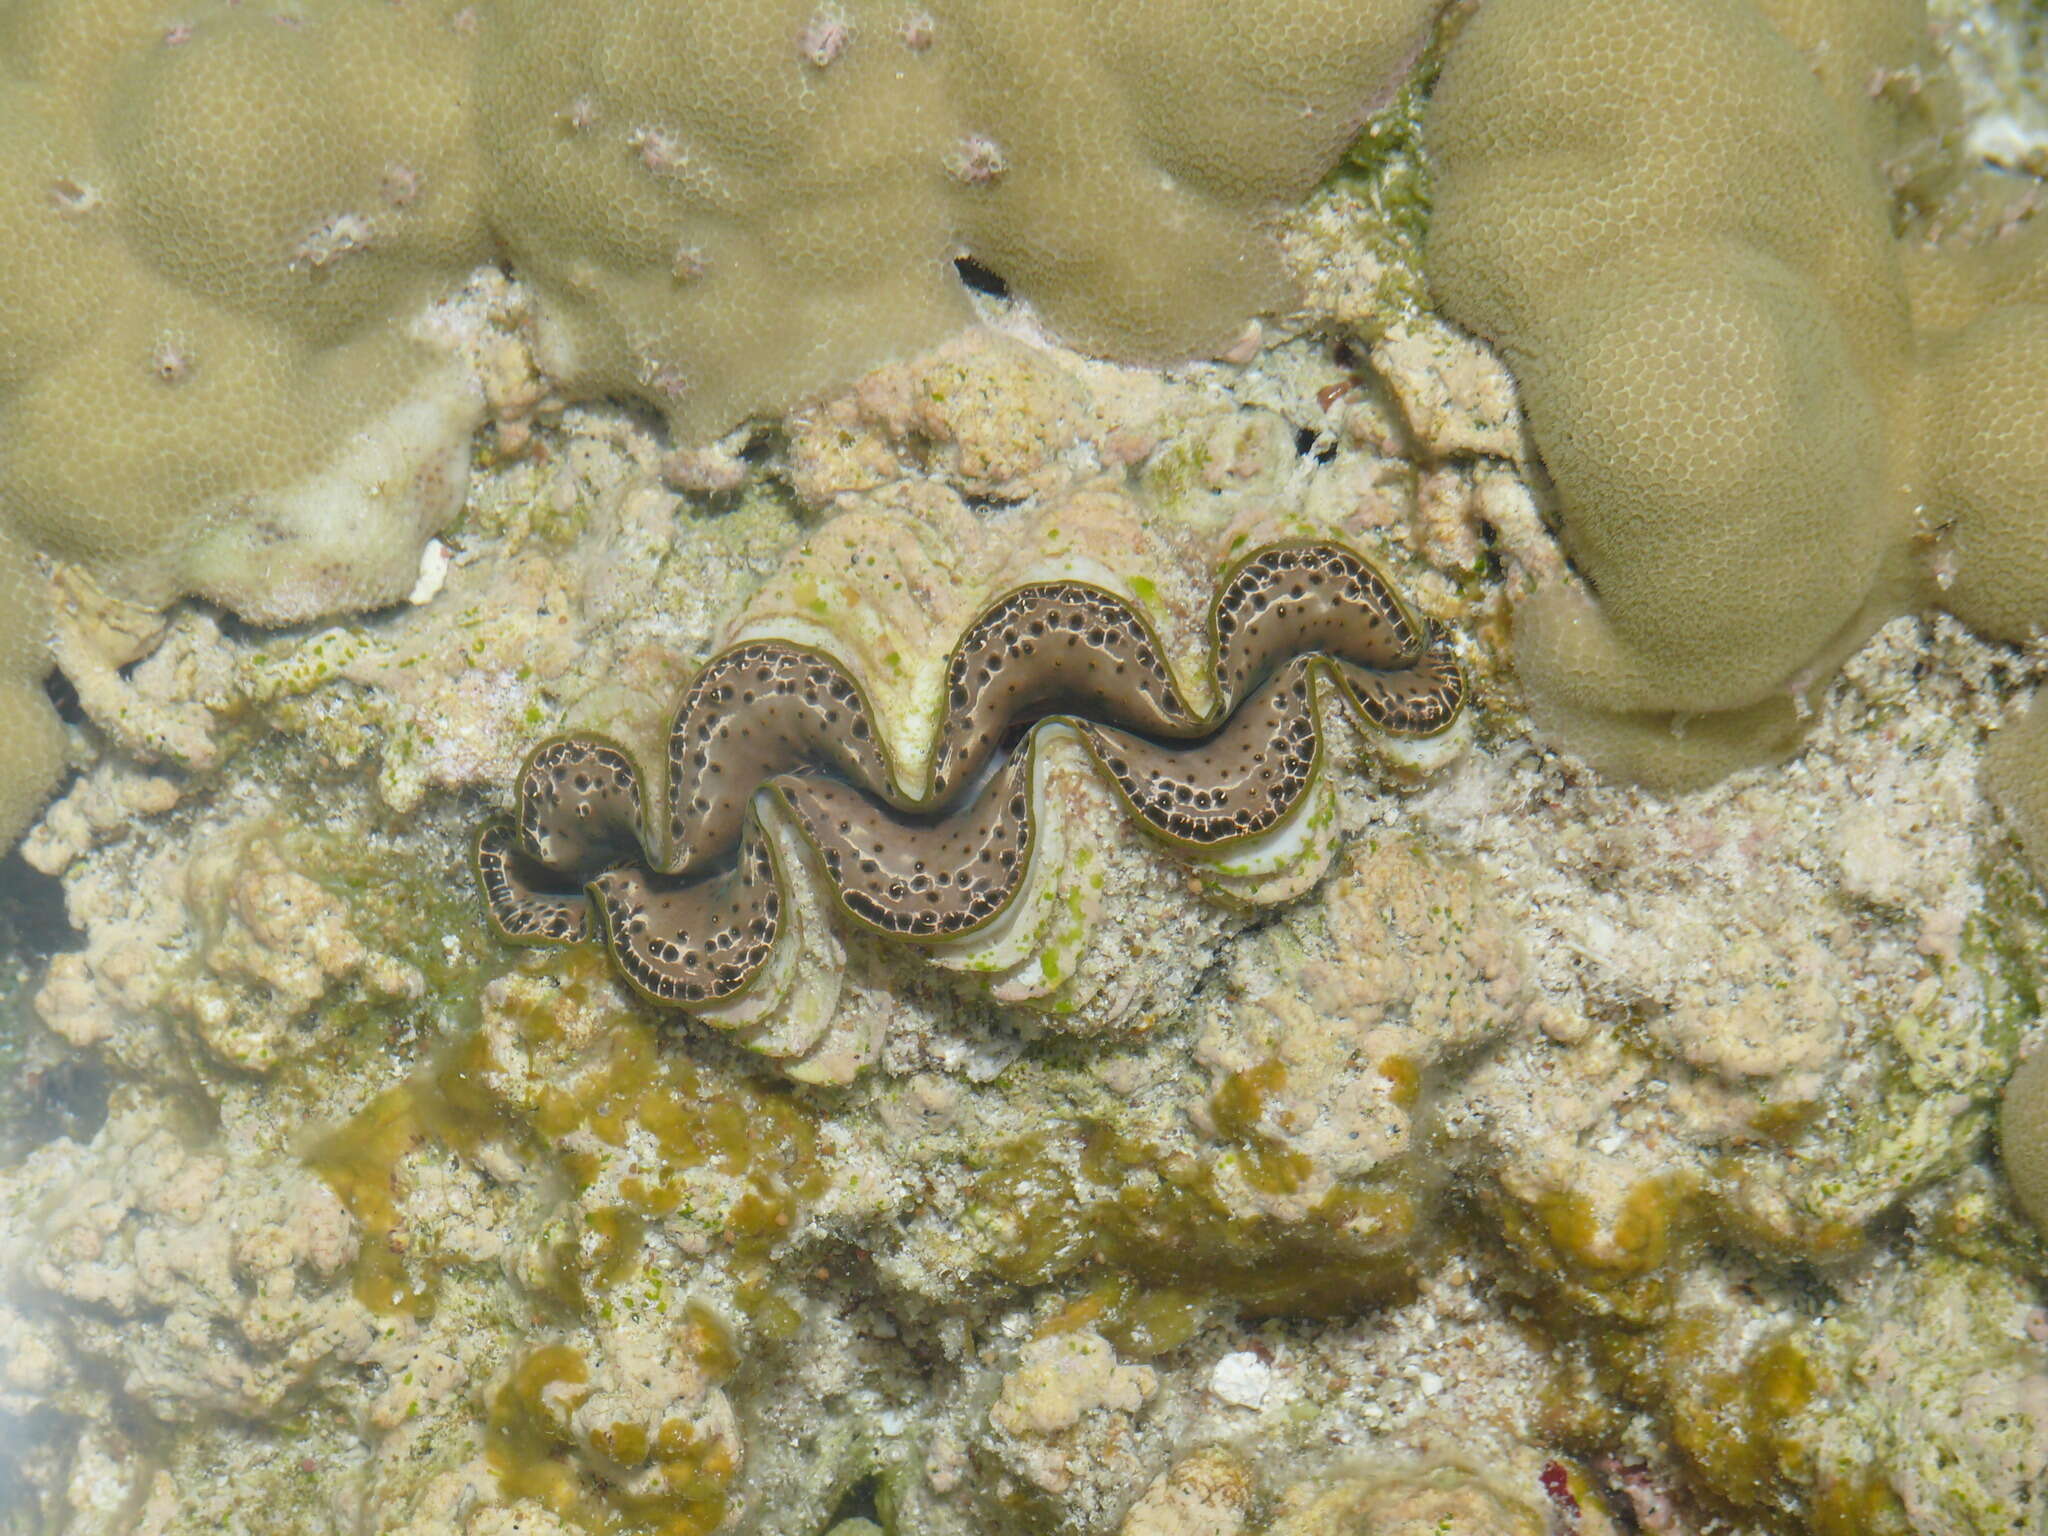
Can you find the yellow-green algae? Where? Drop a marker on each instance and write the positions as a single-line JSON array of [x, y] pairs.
[[627, 1083], [1087, 1199], [1745, 1417], [1816, 1426], [1724, 1416], [1154, 1244], [624, 1086], [537, 1454], [1158, 1251]]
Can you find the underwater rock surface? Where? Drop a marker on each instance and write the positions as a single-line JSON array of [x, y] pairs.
[[1553, 1156]]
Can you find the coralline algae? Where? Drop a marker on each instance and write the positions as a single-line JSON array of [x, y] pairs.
[[1555, 1156]]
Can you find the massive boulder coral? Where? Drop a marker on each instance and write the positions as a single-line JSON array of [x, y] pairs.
[[219, 224], [33, 759], [223, 223], [727, 206], [1768, 423]]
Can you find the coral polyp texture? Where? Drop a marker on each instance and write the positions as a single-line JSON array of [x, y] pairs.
[[729, 205], [2023, 1136], [206, 380], [225, 224], [937, 841], [1770, 422]]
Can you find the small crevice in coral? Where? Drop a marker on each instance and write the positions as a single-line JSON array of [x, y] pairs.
[[858, 1503], [980, 279], [32, 917], [63, 695], [1311, 444], [65, 1101]]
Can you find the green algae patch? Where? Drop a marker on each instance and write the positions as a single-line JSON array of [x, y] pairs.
[[614, 1477], [1086, 1201], [1617, 1258], [1832, 1164], [1386, 159], [637, 1132], [1386, 170], [1932, 1105], [2006, 943], [1177, 475]]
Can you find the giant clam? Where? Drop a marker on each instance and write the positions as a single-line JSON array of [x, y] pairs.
[[774, 756]]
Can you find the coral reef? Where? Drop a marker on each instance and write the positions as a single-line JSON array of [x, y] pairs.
[[230, 226], [1535, 1153], [1768, 422], [1554, 1132], [242, 315]]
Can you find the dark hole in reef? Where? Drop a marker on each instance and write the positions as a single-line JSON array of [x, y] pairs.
[[858, 1503], [1310, 443], [979, 279], [239, 631], [67, 1100], [64, 696], [990, 502], [1489, 550], [32, 917], [45, 1092]]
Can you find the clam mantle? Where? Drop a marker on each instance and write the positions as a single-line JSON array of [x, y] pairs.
[[776, 742]]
